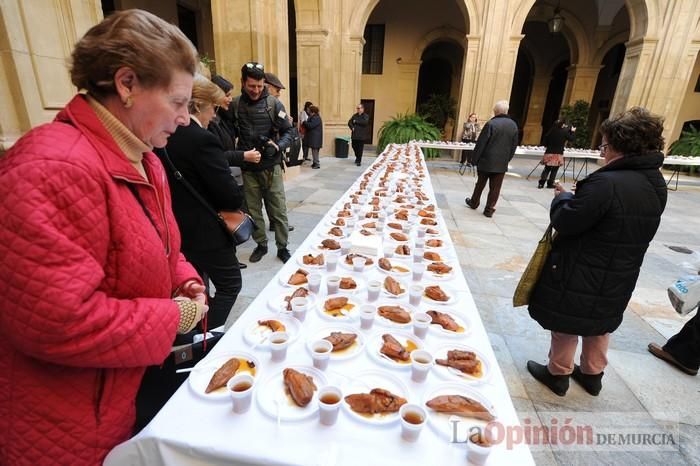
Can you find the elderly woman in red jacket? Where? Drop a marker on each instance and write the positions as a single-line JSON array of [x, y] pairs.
[[93, 283]]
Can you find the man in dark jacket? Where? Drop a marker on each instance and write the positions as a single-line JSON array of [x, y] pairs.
[[359, 125], [603, 232], [494, 149], [261, 122]]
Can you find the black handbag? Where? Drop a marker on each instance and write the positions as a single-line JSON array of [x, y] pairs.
[[159, 383], [238, 224]]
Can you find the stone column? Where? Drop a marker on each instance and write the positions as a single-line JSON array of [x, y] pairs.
[[36, 40], [467, 96], [532, 129], [580, 83]]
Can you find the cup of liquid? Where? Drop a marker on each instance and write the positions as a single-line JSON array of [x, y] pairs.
[[421, 363], [329, 399], [345, 245], [374, 287], [415, 293], [413, 418], [418, 269], [240, 387], [367, 313], [279, 341], [421, 322], [358, 264], [299, 307], [314, 279], [331, 262], [332, 284], [321, 353]]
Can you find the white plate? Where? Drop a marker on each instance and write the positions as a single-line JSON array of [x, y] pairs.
[[345, 265], [444, 254], [300, 261], [451, 294], [364, 382], [390, 323], [202, 373], [460, 319], [272, 393], [284, 278], [389, 229], [347, 353], [403, 285], [317, 246], [376, 342], [351, 313], [443, 423], [388, 239], [454, 374], [397, 262], [438, 249], [257, 335], [331, 223], [278, 304], [361, 284], [438, 276], [325, 233]]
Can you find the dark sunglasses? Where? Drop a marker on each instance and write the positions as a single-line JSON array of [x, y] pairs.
[[252, 65]]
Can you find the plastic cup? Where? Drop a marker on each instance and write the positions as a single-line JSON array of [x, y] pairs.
[[421, 230], [478, 448], [314, 280], [413, 419], [421, 363], [321, 353], [350, 223], [358, 264], [367, 314], [389, 251], [374, 287], [345, 245], [329, 399], [299, 307], [418, 254], [331, 262], [332, 284], [418, 270], [380, 227], [420, 242], [240, 387], [421, 322], [279, 341], [415, 293]]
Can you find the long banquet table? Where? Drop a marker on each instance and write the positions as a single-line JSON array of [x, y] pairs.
[[197, 429]]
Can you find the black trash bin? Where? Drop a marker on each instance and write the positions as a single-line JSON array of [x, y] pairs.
[[342, 146]]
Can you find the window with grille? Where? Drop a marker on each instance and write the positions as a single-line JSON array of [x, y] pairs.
[[373, 51]]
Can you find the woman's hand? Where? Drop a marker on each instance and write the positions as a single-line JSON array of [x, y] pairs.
[[251, 156], [559, 189], [193, 290]]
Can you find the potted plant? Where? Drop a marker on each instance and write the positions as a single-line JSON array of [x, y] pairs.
[[406, 127]]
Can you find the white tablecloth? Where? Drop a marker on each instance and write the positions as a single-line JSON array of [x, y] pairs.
[[192, 430]]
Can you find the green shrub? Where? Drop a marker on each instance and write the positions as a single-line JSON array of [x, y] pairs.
[[576, 115], [405, 127], [688, 144], [438, 109]]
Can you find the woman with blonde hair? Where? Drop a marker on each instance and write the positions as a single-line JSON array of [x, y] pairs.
[[200, 158], [93, 282], [470, 133]]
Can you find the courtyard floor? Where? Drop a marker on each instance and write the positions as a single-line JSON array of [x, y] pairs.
[[639, 391]]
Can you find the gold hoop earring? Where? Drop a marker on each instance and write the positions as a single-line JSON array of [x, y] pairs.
[[128, 102]]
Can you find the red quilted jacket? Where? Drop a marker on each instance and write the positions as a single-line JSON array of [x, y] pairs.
[[85, 286]]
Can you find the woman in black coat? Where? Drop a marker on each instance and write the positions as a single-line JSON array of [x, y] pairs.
[[200, 157], [553, 158], [603, 232], [313, 136]]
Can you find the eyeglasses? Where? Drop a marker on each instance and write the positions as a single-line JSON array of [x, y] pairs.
[[602, 146], [252, 65]]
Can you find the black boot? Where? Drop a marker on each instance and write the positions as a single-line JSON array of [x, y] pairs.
[[283, 254], [591, 383], [468, 201], [559, 384], [258, 253], [540, 184]]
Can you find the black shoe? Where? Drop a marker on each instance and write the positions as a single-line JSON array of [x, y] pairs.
[[664, 355], [242, 266], [358, 163], [540, 184], [289, 228], [550, 186], [283, 254], [258, 253], [488, 213], [559, 384], [315, 167], [468, 201], [591, 383]]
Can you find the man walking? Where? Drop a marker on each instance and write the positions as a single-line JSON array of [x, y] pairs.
[[262, 123], [494, 149], [359, 124]]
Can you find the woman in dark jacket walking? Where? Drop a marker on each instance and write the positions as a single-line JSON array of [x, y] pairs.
[[603, 232], [200, 157], [314, 134], [554, 142]]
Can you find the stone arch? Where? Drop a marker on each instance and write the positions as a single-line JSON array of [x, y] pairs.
[[619, 38], [363, 10], [443, 33]]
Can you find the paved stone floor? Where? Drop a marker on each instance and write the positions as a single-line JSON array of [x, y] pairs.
[[639, 391]]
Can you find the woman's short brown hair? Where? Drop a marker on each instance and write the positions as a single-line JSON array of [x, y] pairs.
[[634, 132], [204, 92], [151, 47]]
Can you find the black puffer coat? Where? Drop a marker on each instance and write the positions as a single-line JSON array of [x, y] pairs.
[[603, 232], [314, 131]]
